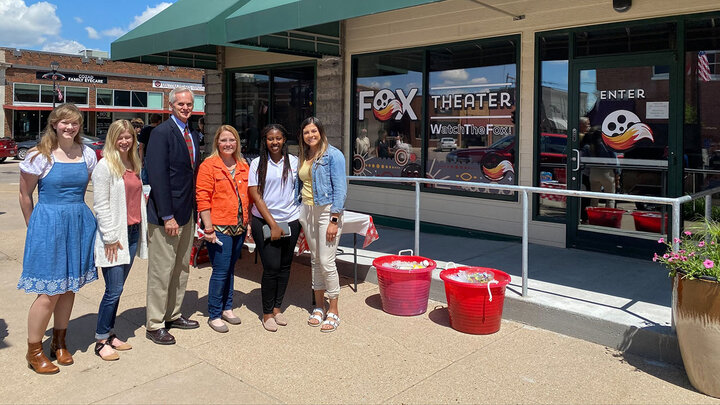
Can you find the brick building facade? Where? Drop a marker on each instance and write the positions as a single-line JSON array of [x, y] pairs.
[[104, 90]]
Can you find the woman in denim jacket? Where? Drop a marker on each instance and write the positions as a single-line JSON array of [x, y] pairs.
[[322, 189]]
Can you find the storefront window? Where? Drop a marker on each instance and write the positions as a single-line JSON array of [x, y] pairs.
[[155, 101], [139, 99], [250, 110], [552, 124], [388, 124], [198, 103], [121, 98], [701, 134], [471, 107], [26, 93], [293, 98], [77, 95], [282, 95], [104, 97], [47, 94]]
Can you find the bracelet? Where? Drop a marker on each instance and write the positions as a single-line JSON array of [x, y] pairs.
[[210, 232]]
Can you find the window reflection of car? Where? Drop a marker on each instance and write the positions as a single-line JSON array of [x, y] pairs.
[[446, 144], [552, 150]]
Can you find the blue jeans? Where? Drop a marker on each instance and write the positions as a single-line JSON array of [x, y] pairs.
[[114, 282], [222, 279]]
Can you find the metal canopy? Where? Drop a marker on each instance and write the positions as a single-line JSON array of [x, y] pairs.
[[184, 34], [188, 32], [310, 27]]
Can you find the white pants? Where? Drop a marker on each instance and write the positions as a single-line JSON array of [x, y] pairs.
[[315, 220]]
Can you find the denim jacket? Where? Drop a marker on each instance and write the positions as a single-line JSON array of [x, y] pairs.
[[329, 180]]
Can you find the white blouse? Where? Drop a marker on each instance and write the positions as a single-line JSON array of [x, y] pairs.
[[40, 166]]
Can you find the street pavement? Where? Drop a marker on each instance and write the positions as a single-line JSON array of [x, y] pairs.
[[373, 357]]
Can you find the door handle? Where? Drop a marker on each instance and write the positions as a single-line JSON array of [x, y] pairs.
[[576, 159]]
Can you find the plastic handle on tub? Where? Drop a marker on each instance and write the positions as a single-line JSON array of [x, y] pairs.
[[488, 285], [405, 251], [447, 266]]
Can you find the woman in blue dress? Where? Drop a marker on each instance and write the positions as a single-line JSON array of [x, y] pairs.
[[58, 257]]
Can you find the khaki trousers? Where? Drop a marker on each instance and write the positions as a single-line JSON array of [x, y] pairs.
[[315, 220], [168, 270]]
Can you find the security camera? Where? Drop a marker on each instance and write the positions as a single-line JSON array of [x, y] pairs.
[[622, 5]]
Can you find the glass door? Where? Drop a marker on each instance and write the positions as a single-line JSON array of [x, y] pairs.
[[622, 140]]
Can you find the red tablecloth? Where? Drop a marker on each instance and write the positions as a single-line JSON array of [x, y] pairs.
[[554, 197], [353, 222]]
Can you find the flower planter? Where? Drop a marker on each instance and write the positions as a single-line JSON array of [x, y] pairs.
[[696, 311]]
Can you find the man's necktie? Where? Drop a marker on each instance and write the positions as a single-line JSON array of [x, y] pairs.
[[188, 142]]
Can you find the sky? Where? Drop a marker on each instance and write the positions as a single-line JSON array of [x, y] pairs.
[[70, 26]]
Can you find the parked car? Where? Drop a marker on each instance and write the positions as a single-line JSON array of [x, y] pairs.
[[94, 143], [24, 146], [446, 144], [8, 148], [552, 150]]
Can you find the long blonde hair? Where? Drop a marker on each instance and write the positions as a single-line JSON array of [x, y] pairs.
[[49, 140], [112, 155], [216, 141], [304, 148]]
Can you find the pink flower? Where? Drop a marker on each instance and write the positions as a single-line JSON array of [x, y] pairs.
[[661, 240], [665, 256], [677, 240], [692, 254], [709, 264], [656, 257], [701, 244], [687, 233]]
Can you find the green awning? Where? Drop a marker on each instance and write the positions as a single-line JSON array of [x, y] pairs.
[[302, 26], [185, 34], [188, 32]]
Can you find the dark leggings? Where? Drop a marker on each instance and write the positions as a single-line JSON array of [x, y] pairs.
[[276, 259]]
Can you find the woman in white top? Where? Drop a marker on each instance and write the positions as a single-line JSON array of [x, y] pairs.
[[58, 258], [272, 189], [122, 227]]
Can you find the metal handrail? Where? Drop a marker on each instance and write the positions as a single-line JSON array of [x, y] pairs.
[[526, 190]]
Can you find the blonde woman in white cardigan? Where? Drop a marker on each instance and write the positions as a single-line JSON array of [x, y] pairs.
[[122, 227]]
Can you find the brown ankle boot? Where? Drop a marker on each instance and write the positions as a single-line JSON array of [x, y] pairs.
[[37, 361], [58, 349]]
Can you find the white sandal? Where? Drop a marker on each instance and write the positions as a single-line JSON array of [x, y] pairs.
[[314, 315], [332, 320]]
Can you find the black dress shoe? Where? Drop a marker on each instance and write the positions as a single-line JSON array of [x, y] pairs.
[[182, 323], [160, 336]]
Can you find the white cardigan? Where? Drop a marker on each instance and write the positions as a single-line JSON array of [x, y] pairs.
[[111, 211]]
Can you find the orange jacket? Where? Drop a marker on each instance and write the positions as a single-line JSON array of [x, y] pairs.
[[215, 191]]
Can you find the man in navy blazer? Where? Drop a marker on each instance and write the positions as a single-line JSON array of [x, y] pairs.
[[171, 164]]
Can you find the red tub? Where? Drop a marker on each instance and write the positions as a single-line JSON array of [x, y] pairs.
[[649, 221], [473, 307], [611, 217], [404, 292]]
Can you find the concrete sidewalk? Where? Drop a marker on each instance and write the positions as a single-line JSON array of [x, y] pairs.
[[373, 357]]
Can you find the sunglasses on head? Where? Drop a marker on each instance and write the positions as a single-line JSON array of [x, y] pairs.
[[137, 126]]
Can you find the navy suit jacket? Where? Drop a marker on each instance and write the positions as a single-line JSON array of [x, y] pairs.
[[170, 174]]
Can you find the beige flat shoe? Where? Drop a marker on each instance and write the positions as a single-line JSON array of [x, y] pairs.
[[280, 319], [270, 325], [220, 329]]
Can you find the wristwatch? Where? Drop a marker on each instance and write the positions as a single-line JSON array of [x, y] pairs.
[[334, 220]]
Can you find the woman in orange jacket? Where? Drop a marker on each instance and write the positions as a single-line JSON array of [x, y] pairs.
[[223, 204]]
